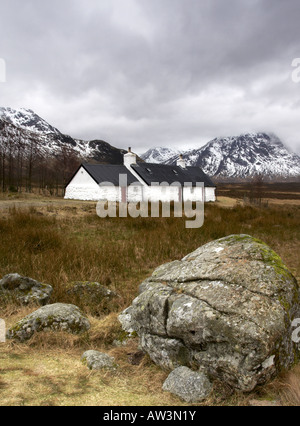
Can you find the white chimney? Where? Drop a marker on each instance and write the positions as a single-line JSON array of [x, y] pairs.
[[129, 158], [181, 162]]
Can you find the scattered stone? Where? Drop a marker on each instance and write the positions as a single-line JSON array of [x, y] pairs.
[[98, 361], [91, 294], [188, 385], [226, 308], [25, 290], [57, 317]]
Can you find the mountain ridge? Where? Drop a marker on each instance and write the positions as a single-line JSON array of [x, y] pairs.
[[232, 157], [159, 155], [242, 157]]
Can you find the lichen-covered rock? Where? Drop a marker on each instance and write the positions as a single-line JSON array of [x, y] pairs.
[[98, 361], [91, 295], [188, 385], [226, 308], [25, 290], [57, 317]]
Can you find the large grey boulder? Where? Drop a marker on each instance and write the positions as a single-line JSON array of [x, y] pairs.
[[25, 290], [57, 317], [226, 309], [188, 385]]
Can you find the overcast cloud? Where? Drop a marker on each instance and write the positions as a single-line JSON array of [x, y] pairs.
[[147, 73]]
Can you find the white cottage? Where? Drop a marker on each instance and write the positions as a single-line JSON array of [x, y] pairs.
[[135, 182]]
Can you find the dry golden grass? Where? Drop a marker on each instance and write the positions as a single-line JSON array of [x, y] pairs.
[[48, 371], [59, 244], [288, 386], [226, 202]]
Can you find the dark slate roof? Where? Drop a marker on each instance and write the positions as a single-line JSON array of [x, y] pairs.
[[158, 173], [149, 173], [108, 173]]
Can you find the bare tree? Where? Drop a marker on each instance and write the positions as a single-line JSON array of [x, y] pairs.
[[257, 190], [23, 162]]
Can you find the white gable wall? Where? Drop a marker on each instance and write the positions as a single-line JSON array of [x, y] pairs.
[[83, 187]]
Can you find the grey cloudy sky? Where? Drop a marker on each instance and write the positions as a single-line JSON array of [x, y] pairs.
[[147, 73]]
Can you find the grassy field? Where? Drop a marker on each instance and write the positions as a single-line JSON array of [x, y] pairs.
[[59, 242], [289, 192]]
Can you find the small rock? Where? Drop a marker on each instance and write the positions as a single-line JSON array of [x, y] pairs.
[[98, 361], [188, 385], [91, 294], [25, 290], [120, 343], [57, 317], [94, 289]]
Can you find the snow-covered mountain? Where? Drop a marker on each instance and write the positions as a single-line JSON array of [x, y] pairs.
[[26, 127], [244, 156], [27, 119], [237, 157], [159, 155]]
